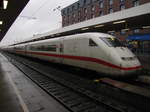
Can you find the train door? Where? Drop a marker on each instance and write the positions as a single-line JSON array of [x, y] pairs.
[[82, 51], [93, 53], [83, 47], [61, 50], [25, 49]]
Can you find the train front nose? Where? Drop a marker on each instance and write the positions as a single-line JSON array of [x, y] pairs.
[[130, 65]]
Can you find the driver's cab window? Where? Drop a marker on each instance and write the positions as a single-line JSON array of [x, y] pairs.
[[92, 43]]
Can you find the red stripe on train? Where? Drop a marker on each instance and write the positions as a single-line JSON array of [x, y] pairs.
[[84, 59]]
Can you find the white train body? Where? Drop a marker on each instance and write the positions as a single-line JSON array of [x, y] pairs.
[[95, 51]]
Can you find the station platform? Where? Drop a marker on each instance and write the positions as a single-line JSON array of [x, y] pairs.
[[20, 94]]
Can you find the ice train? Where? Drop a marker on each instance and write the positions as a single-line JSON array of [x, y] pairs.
[[94, 51]]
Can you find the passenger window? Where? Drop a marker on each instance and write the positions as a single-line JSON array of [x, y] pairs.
[[44, 48], [92, 43], [50, 48]]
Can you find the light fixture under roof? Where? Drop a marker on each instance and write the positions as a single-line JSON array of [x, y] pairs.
[[85, 28], [118, 22], [1, 22], [5, 2], [125, 29], [97, 26], [146, 27]]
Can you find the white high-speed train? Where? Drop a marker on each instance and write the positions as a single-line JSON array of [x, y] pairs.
[[94, 51]]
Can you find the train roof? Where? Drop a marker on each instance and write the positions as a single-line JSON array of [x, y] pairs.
[[53, 34], [81, 35]]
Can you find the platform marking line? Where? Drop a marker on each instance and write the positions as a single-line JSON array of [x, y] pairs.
[[22, 103]]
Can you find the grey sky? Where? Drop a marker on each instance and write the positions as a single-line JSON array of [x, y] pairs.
[[37, 17]]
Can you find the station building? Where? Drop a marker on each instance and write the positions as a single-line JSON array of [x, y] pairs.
[[125, 19]]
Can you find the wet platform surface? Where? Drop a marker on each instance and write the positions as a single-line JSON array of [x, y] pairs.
[[20, 94]]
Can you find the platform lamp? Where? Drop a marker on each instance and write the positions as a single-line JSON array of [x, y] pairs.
[[1, 22], [5, 4]]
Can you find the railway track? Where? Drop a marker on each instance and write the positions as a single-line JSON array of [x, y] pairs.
[[74, 97], [73, 100]]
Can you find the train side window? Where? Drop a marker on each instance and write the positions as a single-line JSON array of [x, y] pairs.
[[50, 48], [112, 42], [92, 43], [106, 41], [44, 48]]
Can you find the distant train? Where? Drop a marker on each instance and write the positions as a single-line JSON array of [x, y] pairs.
[[100, 52]]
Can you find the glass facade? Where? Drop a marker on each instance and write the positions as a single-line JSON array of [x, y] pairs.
[[110, 10], [101, 4], [110, 2], [136, 3], [122, 7]]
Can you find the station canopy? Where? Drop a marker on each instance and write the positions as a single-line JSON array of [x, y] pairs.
[[9, 14]]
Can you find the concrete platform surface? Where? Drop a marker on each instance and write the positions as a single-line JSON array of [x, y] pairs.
[[20, 94]]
